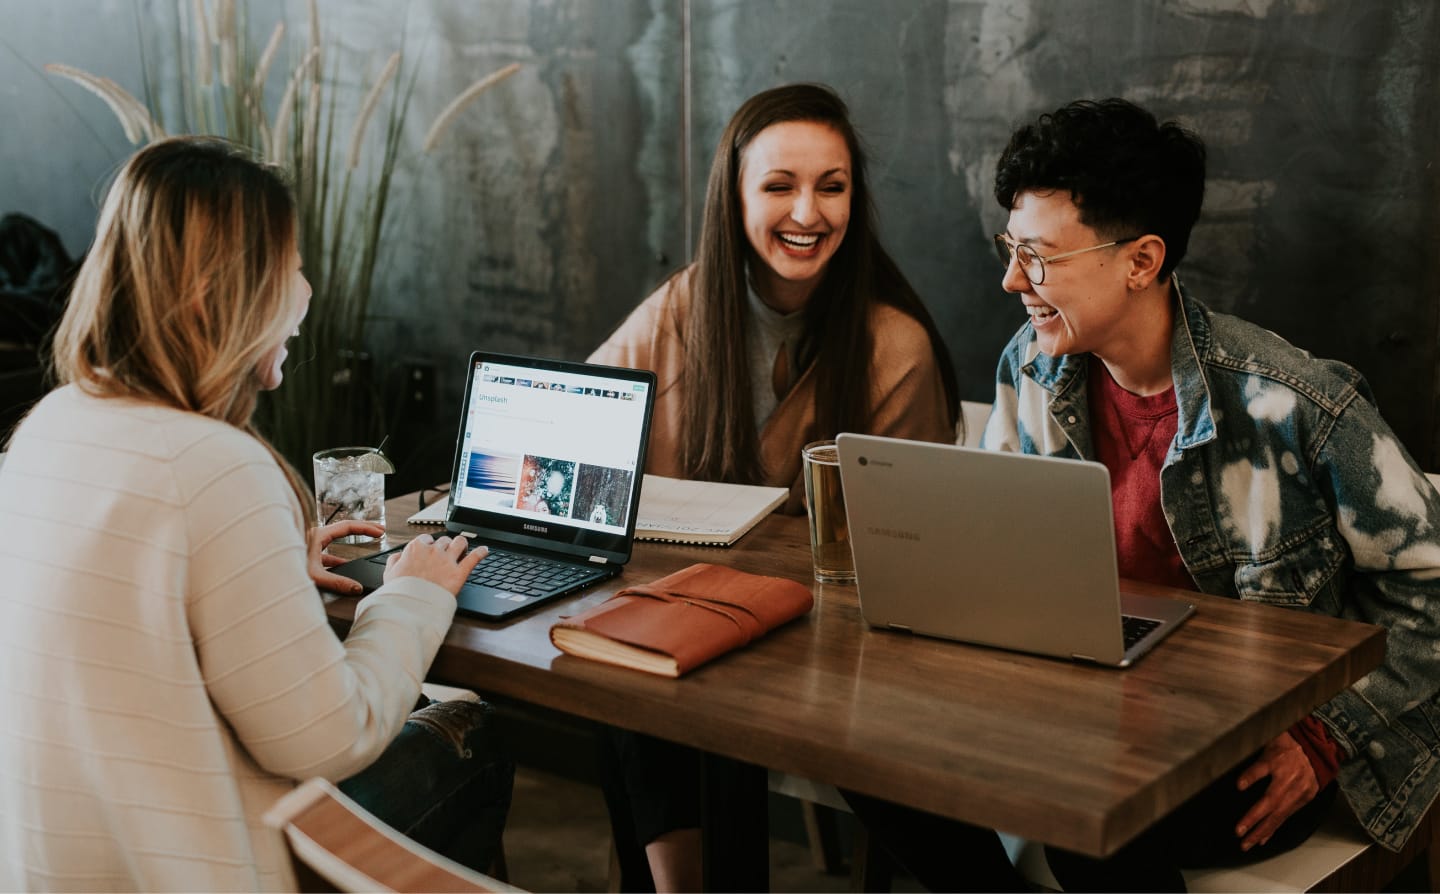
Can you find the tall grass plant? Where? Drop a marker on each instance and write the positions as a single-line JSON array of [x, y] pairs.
[[342, 181]]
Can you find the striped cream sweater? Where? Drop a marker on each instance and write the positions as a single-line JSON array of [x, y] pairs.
[[166, 669]]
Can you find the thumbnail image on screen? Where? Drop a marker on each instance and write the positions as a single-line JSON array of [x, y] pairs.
[[546, 485], [602, 495], [492, 479]]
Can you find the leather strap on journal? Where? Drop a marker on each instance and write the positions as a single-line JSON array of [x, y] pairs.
[[695, 614]]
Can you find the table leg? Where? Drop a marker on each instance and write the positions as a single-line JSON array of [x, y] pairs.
[[735, 804]]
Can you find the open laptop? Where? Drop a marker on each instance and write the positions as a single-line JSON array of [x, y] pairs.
[[1001, 549], [547, 474]]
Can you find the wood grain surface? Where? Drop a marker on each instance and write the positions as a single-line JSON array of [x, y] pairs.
[[1073, 755]]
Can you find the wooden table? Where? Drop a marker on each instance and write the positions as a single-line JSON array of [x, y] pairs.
[[1068, 754]]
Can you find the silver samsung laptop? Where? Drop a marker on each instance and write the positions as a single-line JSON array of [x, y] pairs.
[[1000, 549]]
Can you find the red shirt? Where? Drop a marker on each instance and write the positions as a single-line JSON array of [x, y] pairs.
[[1131, 436]]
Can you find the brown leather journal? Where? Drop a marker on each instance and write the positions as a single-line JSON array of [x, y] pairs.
[[682, 620]]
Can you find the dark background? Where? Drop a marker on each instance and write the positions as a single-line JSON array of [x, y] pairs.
[[561, 198]]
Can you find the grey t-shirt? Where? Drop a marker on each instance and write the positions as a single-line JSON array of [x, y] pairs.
[[767, 331]]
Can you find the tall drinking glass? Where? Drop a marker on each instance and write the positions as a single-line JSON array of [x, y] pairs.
[[350, 484], [825, 505]]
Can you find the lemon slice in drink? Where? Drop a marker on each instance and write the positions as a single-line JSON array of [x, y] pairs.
[[375, 462]]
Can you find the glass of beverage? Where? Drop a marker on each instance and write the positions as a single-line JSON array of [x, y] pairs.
[[350, 484], [825, 504]]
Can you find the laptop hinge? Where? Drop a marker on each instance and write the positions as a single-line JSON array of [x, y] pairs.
[[900, 627], [600, 560]]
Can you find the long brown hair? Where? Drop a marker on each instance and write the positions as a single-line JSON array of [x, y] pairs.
[[187, 287], [719, 440]]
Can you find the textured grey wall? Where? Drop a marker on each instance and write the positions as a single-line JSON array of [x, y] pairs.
[[561, 198]]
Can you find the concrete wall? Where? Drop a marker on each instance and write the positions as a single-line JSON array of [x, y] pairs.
[[564, 195]]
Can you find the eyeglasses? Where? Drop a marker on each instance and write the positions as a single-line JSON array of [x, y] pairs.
[[1031, 264]]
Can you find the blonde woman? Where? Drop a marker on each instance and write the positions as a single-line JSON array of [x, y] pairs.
[[166, 667]]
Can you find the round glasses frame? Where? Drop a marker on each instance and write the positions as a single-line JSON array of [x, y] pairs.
[[1031, 264]]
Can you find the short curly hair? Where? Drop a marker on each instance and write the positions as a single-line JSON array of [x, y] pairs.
[[1129, 174]]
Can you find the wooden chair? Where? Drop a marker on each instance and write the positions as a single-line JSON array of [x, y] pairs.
[[1338, 857], [336, 845]]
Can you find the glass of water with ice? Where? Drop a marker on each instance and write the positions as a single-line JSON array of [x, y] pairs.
[[350, 483]]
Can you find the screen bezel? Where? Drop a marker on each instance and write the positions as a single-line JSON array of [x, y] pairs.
[[580, 542]]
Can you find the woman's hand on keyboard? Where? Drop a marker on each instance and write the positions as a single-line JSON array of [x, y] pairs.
[[443, 561]]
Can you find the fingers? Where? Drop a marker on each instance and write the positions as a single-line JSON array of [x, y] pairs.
[[473, 558], [1268, 824], [330, 561], [1292, 786], [328, 534], [1253, 774], [1253, 828], [336, 584], [442, 560], [354, 526]]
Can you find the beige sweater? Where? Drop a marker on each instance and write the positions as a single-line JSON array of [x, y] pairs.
[[907, 394], [166, 668]]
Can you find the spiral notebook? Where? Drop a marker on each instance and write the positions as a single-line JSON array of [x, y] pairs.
[[434, 514], [709, 513], [676, 511]]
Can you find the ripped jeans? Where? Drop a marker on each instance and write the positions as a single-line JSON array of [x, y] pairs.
[[444, 782]]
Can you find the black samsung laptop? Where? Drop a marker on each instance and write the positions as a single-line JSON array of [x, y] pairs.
[[547, 474]]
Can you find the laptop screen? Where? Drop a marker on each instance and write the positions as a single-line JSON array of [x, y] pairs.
[[551, 451]]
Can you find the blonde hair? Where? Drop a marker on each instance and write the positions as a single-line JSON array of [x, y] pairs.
[[187, 286]]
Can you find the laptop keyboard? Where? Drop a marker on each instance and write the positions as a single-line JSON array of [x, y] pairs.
[[1137, 629], [529, 575], [522, 574]]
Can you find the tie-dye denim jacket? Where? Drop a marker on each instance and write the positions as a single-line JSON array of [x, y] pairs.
[[1284, 486]]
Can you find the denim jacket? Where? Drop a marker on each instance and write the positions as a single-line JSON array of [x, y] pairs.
[[1284, 486]]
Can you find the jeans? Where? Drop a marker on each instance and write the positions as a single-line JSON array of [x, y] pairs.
[[443, 782]]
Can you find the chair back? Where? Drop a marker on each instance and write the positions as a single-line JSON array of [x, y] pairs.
[[973, 416], [337, 845]]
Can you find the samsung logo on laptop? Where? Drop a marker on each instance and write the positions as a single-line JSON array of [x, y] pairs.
[[538, 529], [897, 533]]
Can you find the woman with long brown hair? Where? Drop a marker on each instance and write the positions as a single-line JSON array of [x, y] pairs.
[[793, 324], [167, 668]]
